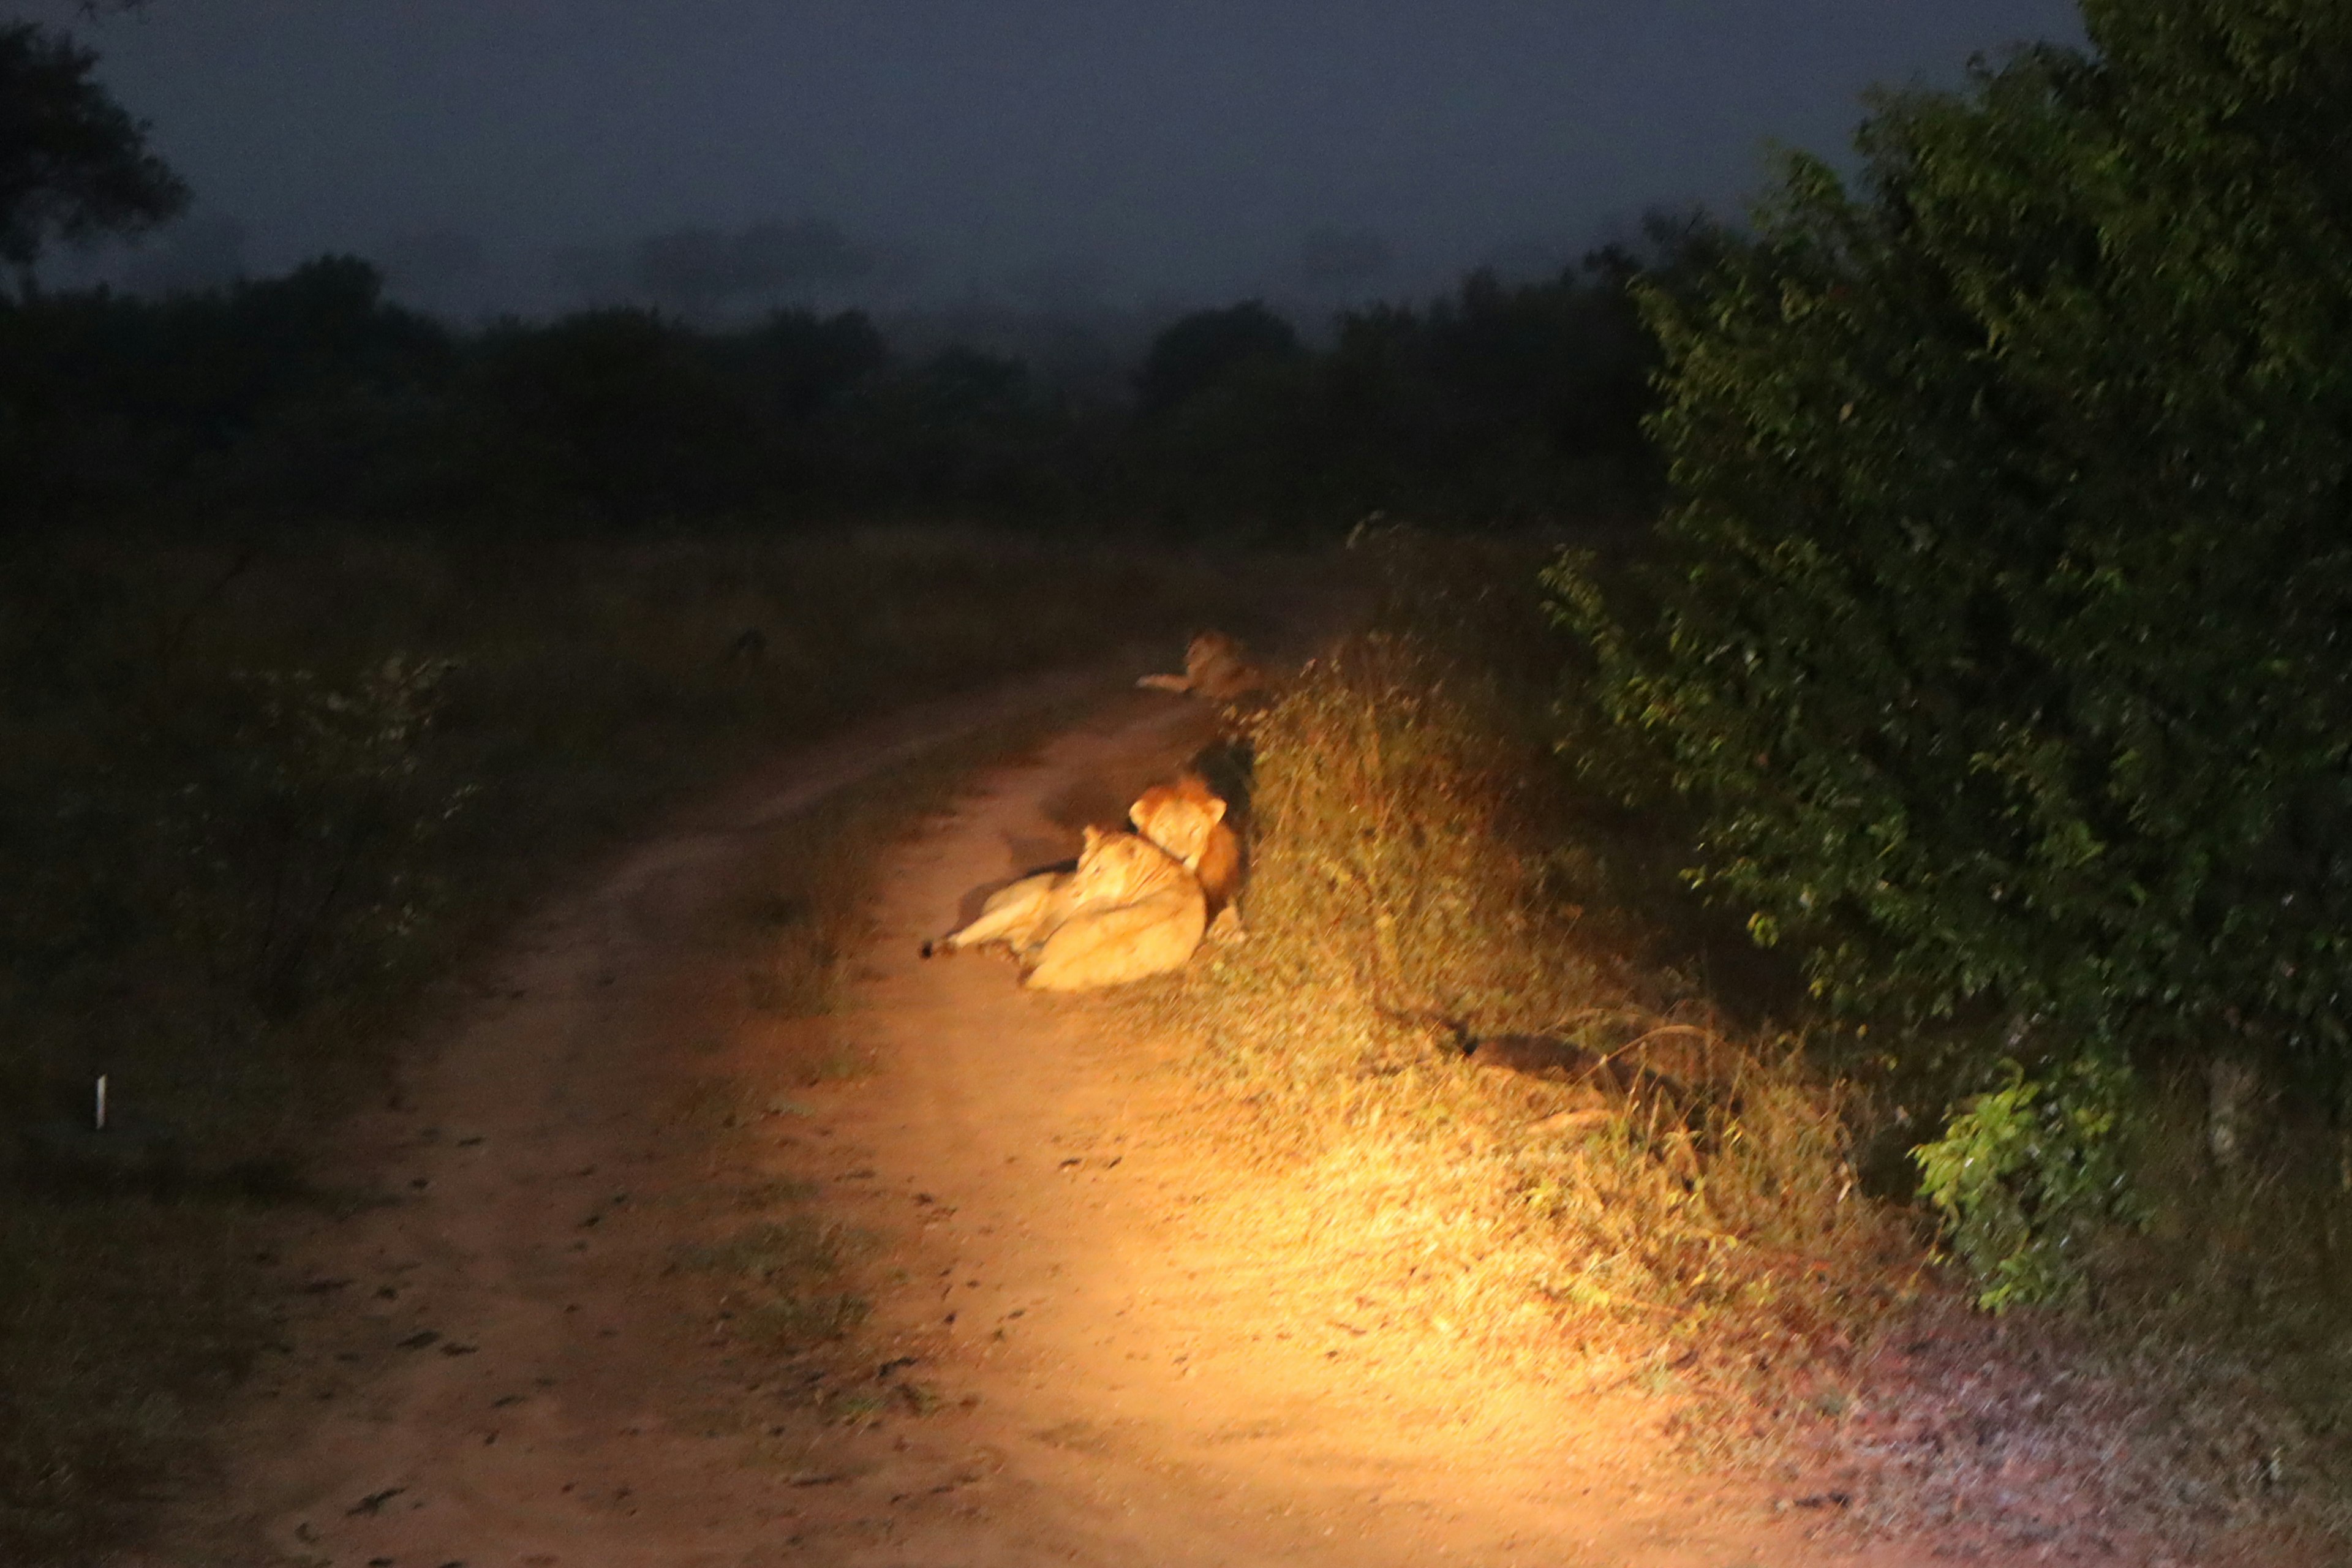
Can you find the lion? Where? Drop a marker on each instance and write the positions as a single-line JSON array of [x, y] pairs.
[[1187, 819], [1129, 910], [1215, 667]]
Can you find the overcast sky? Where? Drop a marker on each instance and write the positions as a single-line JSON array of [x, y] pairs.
[[520, 153]]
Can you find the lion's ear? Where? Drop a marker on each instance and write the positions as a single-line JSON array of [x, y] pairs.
[[1216, 809], [1136, 814], [1092, 835]]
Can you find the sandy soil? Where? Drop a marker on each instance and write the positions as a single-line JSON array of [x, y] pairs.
[[505, 1365]]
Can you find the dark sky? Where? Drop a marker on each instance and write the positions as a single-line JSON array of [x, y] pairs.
[[521, 153]]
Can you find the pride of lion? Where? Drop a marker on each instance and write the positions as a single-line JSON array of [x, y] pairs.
[[1139, 903]]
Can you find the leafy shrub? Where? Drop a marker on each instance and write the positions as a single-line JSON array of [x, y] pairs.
[[302, 837], [2020, 1171], [1998, 626], [1997, 632]]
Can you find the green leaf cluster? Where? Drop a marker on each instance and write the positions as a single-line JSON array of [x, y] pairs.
[[2021, 1170]]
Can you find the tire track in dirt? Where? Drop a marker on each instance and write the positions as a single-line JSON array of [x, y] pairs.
[[496, 1368]]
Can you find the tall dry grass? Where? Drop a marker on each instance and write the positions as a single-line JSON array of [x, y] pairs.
[[255, 801], [1514, 1121]]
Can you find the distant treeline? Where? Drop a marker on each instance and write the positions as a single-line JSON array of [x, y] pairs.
[[312, 396]]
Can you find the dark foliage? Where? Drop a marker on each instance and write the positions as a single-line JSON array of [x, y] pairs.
[[301, 394], [73, 166], [1999, 636], [312, 398], [1500, 404], [610, 415], [1208, 347]]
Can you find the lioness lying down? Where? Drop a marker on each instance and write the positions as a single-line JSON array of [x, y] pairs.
[[1215, 667], [1129, 910]]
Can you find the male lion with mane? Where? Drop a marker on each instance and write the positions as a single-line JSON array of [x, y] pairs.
[[1187, 819]]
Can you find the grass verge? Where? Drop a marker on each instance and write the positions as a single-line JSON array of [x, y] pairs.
[[1570, 1155]]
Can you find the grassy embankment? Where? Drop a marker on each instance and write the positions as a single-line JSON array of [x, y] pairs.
[[1646, 1187], [253, 802], [1670, 1193]]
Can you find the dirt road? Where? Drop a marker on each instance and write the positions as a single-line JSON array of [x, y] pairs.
[[1119, 1362]]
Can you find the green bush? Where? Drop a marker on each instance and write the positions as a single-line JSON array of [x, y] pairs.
[[1998, 635], [2021, 1171], [1998, 628]]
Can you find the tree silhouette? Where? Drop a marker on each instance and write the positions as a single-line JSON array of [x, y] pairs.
[[73, 164], [1204, 348]]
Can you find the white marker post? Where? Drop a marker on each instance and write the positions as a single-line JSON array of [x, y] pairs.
[[101, 1103]]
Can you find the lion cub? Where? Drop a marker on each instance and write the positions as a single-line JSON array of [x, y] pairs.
[[1215, 667], [1187, 819], [1129, 910]]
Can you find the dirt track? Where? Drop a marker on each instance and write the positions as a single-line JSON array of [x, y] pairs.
[[501, 1367]]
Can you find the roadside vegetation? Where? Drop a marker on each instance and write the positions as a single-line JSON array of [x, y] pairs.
[[1984, 679], [1994, 646], [1461, 1027]]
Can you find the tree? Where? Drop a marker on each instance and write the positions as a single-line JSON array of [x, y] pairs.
[[1999, 631], [1207, 347], [74, 166], [2000, 635]]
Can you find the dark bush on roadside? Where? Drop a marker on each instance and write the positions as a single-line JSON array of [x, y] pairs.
[[1998, 634]]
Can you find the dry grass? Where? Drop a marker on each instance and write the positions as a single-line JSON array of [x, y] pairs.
[[1626, 1189], [790, 1271], [241, 845]]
